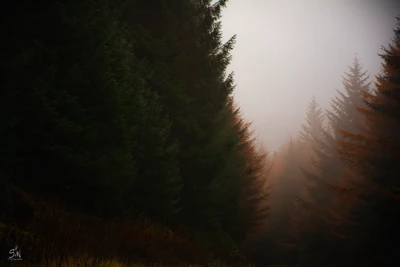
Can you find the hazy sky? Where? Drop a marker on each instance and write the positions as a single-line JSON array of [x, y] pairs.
[[288, 50]]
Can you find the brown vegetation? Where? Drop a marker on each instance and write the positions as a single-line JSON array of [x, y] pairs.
[[57, 235]]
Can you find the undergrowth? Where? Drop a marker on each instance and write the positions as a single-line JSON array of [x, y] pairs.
[[57, 238]]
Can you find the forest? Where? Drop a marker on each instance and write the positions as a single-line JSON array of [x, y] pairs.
[[159, 167]]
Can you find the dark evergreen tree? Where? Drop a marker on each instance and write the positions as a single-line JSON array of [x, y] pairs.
[[79, 119], [251, 172], [194, 89], [126, 107]]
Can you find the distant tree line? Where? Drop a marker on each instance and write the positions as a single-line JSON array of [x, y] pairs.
[[335, 190]]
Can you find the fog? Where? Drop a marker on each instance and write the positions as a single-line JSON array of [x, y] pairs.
[[286, 51]]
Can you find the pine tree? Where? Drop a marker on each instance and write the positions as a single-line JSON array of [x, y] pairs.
[[253, 207], [323, 184], [132, 115], [194, 90], [313, 129], [82, 121], [344, 114], [375, 155]]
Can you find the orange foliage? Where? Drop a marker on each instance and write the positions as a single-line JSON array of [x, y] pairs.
[[253, 204]]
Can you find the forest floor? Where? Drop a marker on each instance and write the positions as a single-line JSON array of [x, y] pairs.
[[55, 238]]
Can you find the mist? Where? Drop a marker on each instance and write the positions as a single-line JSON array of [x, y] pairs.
[[122, 143], [286, 51]]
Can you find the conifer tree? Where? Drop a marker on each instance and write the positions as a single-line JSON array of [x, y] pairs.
[[313, 129], [344, 114], [81, 121], [330, 170], [132, 114], [375, 155], [253, 206], [194, 91]]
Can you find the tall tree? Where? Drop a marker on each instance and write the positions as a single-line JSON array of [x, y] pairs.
[[194, 90], [344, 114], [330, 170], [79, 120], [313, 128], [375, 155]]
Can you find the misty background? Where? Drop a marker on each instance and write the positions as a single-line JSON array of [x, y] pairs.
[[288, 50]]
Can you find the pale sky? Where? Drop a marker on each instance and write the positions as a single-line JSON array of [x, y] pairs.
[[288, 50]]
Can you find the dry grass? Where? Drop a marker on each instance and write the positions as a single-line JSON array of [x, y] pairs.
[[58, 238], [90, 262]]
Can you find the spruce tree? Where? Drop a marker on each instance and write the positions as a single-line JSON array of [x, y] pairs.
[[344, 115], [330, 168], [375, 155], [313, 129], [81, 121], [194, 90]]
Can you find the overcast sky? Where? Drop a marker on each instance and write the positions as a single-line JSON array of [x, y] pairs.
[[288, 50]]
